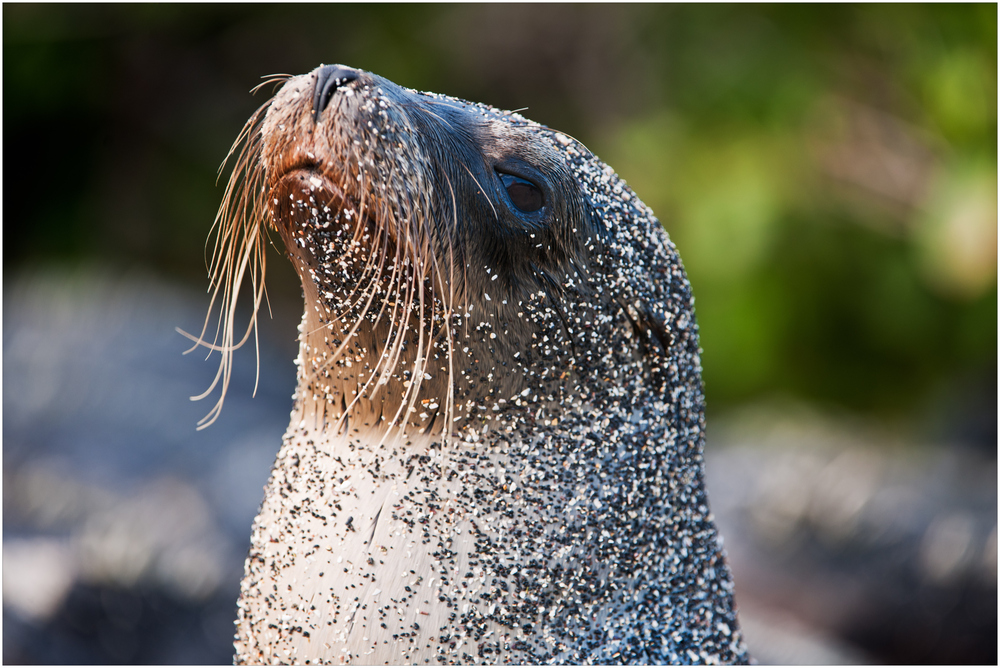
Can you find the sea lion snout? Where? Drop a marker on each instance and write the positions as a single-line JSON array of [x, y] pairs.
[[328, 79]]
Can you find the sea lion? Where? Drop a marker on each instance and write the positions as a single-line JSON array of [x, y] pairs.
[[495, 450]]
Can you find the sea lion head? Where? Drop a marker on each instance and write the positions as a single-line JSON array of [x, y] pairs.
[[454, 256]]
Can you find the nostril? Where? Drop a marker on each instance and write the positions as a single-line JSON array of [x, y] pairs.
[[328, 80]]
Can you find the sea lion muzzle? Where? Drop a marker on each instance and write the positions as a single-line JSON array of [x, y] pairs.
[[328, 80]]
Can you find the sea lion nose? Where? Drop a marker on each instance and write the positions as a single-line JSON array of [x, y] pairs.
[[328, 79]]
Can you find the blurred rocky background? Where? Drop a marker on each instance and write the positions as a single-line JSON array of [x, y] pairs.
[[829, 174]]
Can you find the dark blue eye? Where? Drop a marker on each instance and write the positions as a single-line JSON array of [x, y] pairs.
[[523, 194]]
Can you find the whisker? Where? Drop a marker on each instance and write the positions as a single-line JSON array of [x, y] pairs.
[[237, 250]]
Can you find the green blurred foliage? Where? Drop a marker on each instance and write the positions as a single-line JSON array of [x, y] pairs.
[[828, 172], [829, 175]]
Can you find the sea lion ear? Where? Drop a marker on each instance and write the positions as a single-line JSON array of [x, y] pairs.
[[651, 326]]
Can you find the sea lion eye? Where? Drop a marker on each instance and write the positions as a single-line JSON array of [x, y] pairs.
[[523, 194]]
